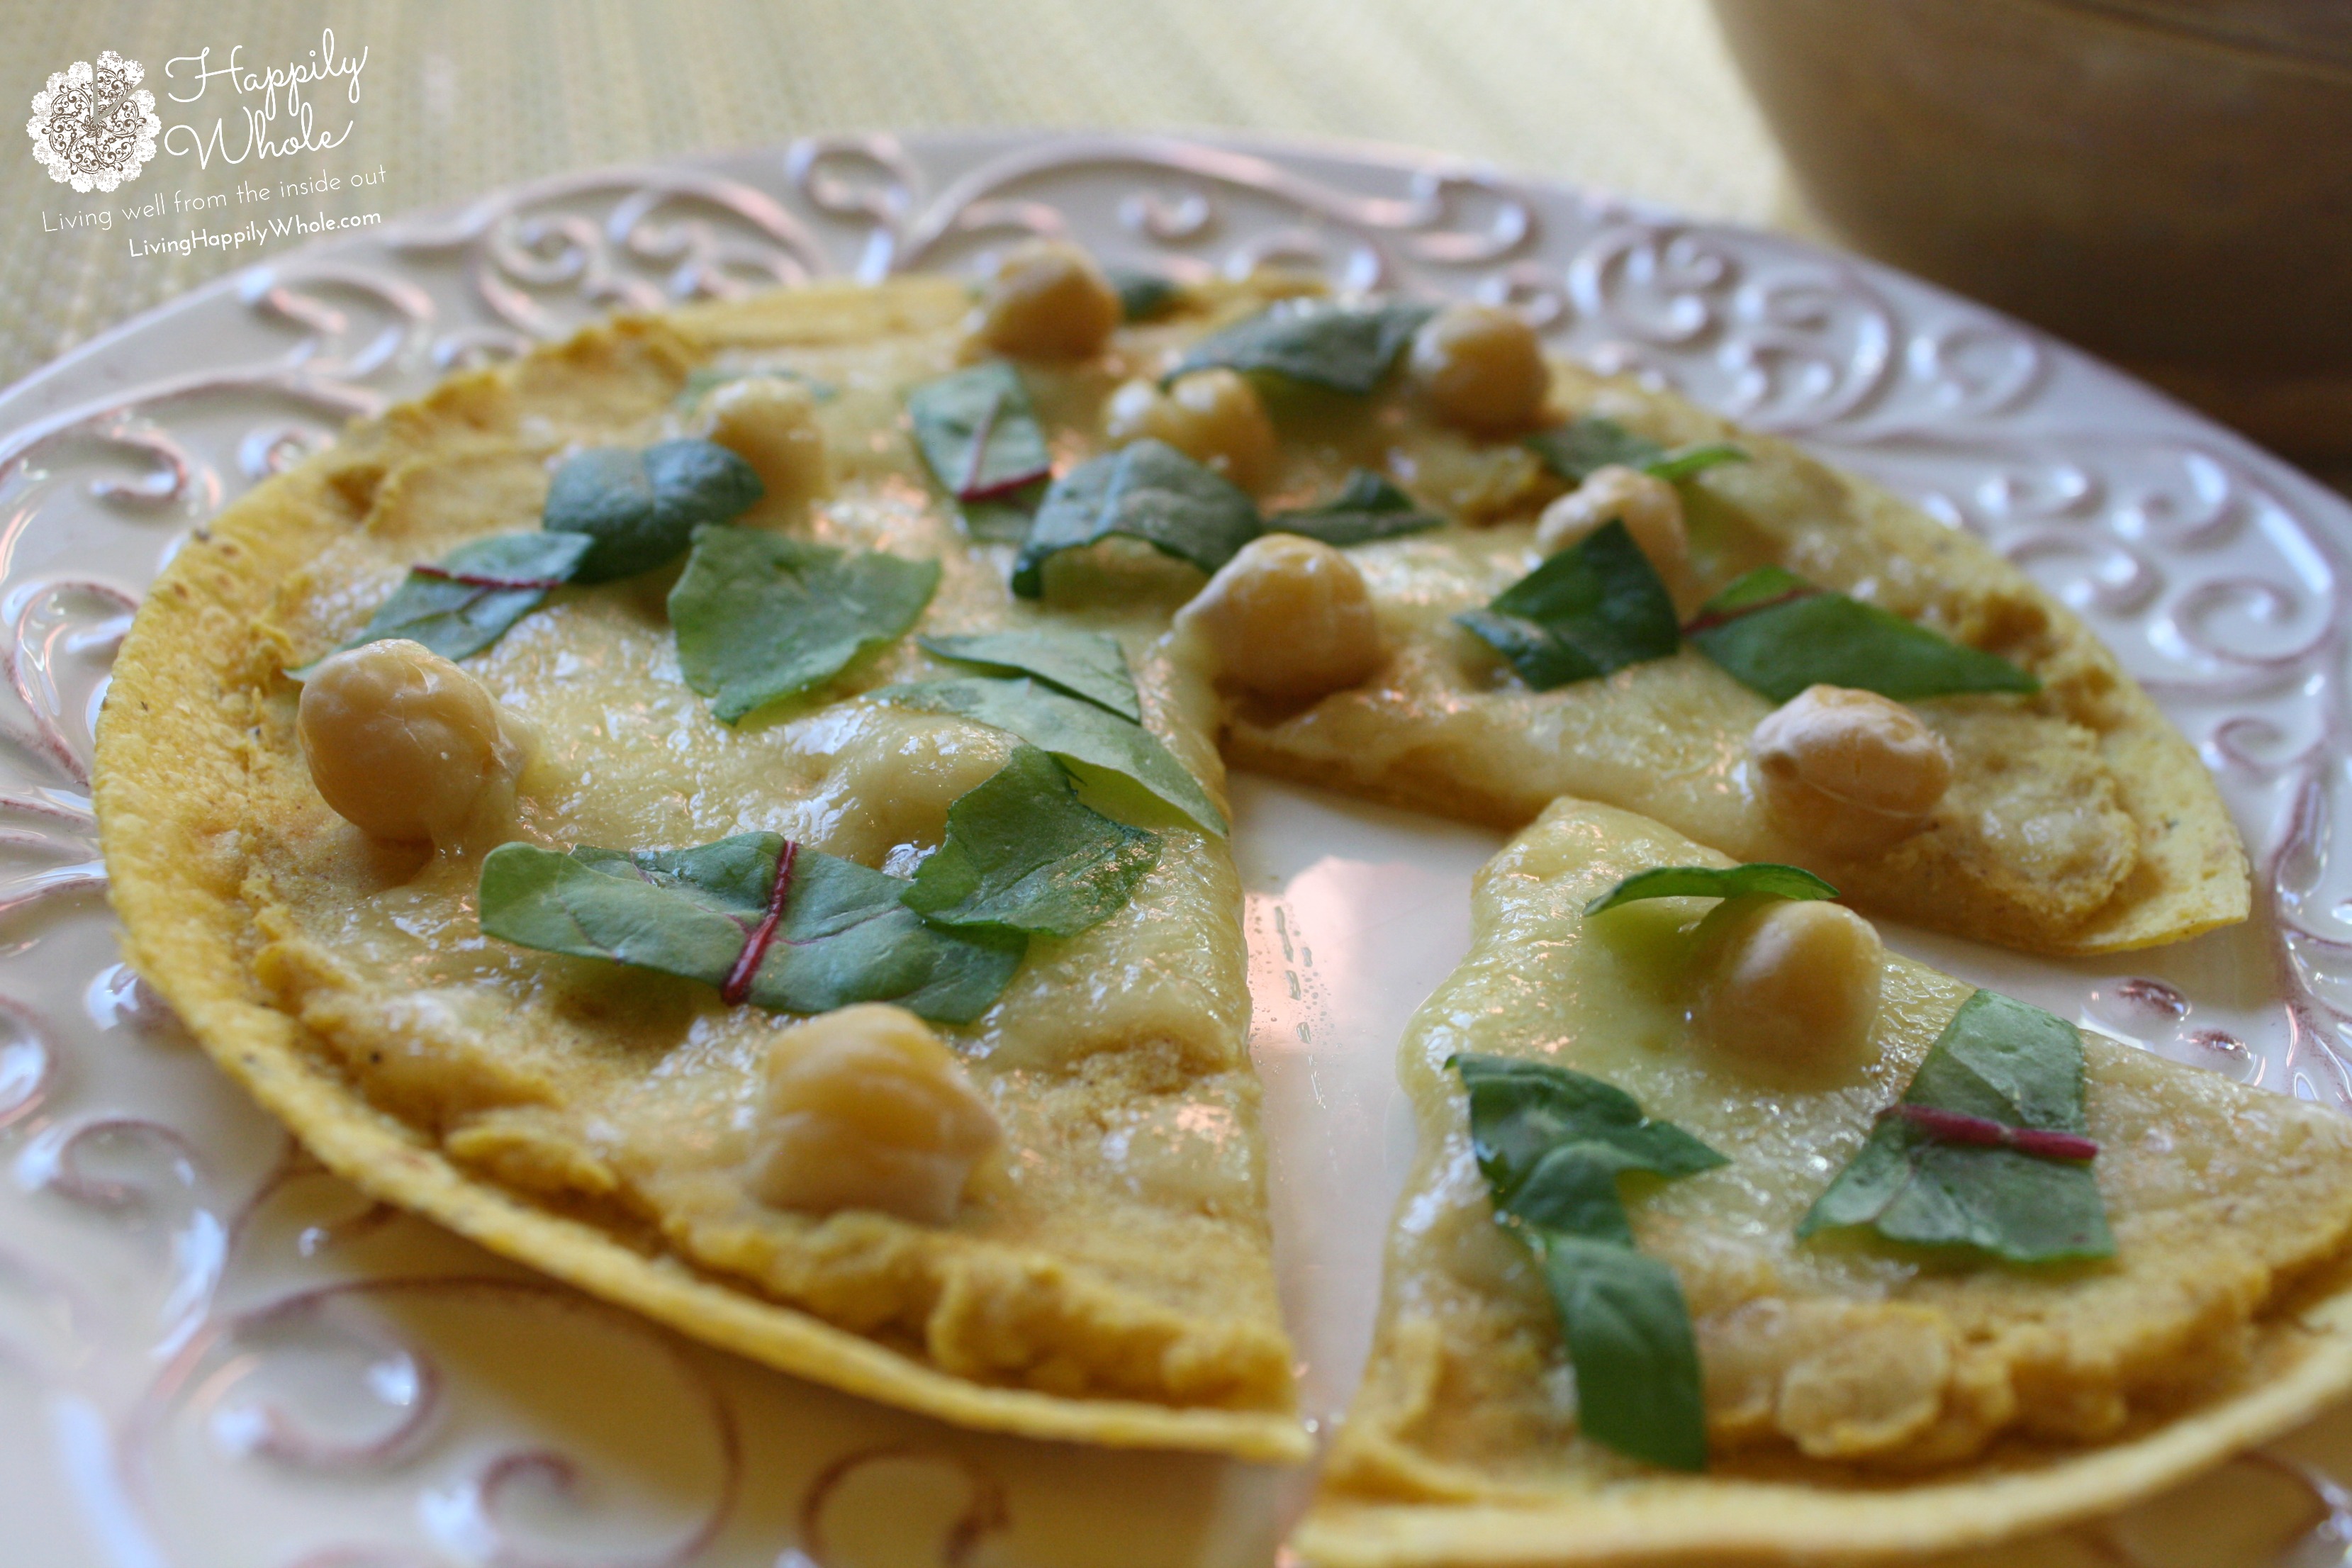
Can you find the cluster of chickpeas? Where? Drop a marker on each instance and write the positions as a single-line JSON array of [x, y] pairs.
[[1289, 619]]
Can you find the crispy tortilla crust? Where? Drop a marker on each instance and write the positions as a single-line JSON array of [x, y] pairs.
[[171, 789], [1764, 1521], [1767, 1522], [1391, 740], [2298, 1360]]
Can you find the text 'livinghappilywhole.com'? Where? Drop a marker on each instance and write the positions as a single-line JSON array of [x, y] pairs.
[[255, 230]]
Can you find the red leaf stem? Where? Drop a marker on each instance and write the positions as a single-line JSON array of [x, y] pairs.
[[970, 487], [484, 580], [737, 984], [1711, 619], [1979, 1131]]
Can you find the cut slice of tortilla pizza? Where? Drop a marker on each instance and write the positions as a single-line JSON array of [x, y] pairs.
[[1854, 1396], [448, 1030], [2076, 820]]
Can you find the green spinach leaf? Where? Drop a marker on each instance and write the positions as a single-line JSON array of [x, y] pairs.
[[1691, 461], [1582, 448], [1147, 490], [843, 934], [1551, 1144], [761, 617], [1108, 754], [1142, 295], [1005, 520], [468, 599], [640, 506], [1594, 607], [1348, 348], [1023, 853], [1714, 882], [1368, 507], [1939, 1180], [1085, 663], [979, 433], [1777, 633]]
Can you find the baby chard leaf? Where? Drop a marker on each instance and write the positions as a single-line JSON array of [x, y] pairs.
[[1691, 461], [466, 601], [1594, 607], [1142, 295], [1986, 1150], [1348, 348], [1551, 1144], [1777, 633], [1023, 853], [842, 934], [1714, 882], [848, 936], [1108, 754], [1147, 490], [761, 617], [1582, 448], [978, 432], [1085, 663], [640, 506], [1367, 507]]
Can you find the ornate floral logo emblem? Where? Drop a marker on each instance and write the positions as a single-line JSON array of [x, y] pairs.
[[93, 128]]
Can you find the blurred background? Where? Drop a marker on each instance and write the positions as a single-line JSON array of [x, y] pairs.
[[2168, 181]]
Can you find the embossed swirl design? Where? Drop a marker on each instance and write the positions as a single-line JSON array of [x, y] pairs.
[[2207, 565]]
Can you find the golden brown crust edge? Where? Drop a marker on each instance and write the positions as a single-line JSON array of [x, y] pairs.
[[1764, 1523], [169, 779]]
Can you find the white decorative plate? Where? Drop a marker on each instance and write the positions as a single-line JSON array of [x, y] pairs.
[[212, 1354]]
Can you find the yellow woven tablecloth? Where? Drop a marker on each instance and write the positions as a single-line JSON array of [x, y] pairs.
[[461, 95]]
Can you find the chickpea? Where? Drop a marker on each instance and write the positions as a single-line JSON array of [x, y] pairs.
[[405, 745], [1480, 368], [871, 1111], [1650, 508], [1789, 988], [1847, 772], [1048, 300], [771, 423], [1213, 416], [1289, 619]]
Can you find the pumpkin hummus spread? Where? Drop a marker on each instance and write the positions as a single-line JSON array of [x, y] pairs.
[[728, 808]]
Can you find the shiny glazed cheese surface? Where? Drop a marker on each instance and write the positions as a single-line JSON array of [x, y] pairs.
[[1836, 1360]]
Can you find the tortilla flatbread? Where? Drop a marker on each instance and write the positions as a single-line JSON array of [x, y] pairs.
[[589, 1120], [2079, 820], [1860, 1401]]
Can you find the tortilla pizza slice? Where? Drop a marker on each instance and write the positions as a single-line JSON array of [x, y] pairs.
[[1732, 1237], [2060, 813], [776, 743]]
